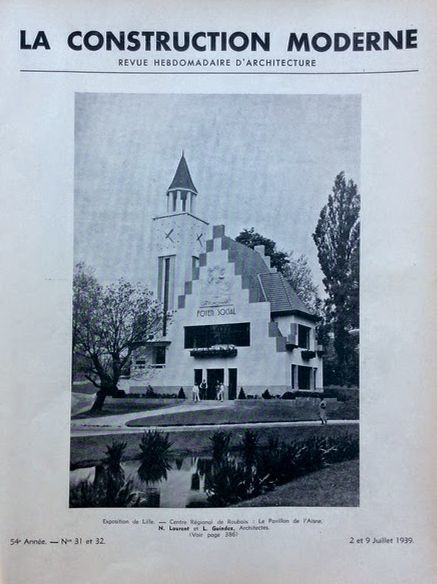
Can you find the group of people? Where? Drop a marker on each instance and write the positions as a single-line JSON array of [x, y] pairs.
[[199, 391]]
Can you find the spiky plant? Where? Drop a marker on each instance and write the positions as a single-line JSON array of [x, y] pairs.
[[88, 494], [220, 445], [154, 456], [249, 447], [114, 454]]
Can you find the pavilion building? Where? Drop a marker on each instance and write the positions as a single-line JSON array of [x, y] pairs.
[[229, 316]]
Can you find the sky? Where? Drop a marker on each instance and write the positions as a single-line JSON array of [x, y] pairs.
[[262, 161]]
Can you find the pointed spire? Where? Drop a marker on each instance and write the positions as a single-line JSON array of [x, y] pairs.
[[182, 178]]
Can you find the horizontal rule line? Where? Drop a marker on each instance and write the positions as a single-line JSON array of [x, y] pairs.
[[386, 72]]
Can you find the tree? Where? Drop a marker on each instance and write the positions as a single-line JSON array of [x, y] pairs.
[[109, 324], [337, 237], [251, 238], [298, 274]]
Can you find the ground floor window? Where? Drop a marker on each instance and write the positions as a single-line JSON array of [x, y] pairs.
[[304, 377], [293, 376], [159, 356], [205, 336]]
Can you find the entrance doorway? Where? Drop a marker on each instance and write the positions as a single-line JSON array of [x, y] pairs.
[[213, 378], [232, 383]]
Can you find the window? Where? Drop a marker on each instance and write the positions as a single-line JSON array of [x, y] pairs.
[[166, 276], [303, 336], [293, 376], [140, 364], [159, 356], [304, 377], [205, 336], [194, 264]]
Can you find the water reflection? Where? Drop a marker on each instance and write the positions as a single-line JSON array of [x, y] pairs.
[[180, 482]]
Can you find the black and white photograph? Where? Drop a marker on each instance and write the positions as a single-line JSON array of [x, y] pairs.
[[215, 312]]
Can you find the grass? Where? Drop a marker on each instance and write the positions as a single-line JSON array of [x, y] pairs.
[[114, 406], [334, 486], [250, 411], [90, 450]]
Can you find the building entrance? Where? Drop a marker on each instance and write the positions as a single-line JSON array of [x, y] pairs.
[[213, 378], [232, 383]]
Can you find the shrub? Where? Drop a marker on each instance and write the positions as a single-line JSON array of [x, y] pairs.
[[227, 481], [154, 456], [181, 394], [226, 484], [220, 445], [87, 494], [288, 395], [249, 447], [266, 394], [241, 394], [150, 392], [114, 454], [118, 393]]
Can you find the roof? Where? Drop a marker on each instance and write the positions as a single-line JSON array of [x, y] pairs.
[[264, 284], [283, 298], [182, 178]]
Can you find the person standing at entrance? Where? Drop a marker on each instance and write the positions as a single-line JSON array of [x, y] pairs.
[[203, 388], [195, 393], [221, 392], [322, 412]]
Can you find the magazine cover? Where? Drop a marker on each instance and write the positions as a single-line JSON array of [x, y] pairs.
[[218, 292]]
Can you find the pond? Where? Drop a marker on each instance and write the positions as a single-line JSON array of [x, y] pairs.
[[184, 483]]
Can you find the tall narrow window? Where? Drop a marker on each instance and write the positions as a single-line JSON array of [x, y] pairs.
[[194, 265], [175, 198], [293, 377], [166, 294]]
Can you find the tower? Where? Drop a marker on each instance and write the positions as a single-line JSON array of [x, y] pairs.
[[181, 194], [178, 239]]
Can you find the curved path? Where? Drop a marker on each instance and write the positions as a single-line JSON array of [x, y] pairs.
[[118, 421], [102, 430]]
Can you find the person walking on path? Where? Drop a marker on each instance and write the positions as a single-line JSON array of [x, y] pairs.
[[322, 412], [195, 393]]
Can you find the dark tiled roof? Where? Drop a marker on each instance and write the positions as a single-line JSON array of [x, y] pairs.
[[283, 298], [264, 284], [182, 178]]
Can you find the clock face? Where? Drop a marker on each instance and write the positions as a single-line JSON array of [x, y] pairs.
[[200, 240], [170, 236]]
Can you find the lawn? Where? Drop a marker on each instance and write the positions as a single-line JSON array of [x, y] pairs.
[[89, 450], [113, 406], [250, 411], [334, 486]]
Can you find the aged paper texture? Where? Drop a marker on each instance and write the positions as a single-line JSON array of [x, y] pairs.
[[218, 293]]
